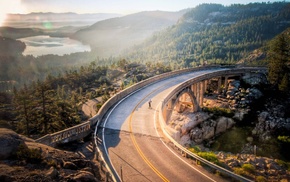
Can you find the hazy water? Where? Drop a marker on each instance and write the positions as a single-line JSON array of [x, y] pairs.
[[42, 45]]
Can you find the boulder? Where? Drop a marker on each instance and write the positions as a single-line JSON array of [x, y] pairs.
[[263, 116], [254, 79], [81, 163], [255, 93], [273, 166], [197, 118], [185, 140], [239, 115], [223, 123], [208, 132], [84, 176], [196, 135], [9, 142], [69, 165], [52, 173], [231, 123], [6, 178]]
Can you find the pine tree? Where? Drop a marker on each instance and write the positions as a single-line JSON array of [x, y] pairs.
[[45, 97], [279, 56], [23, 102], [284, 85]]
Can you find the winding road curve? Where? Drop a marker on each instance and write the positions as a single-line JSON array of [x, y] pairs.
[[133, 142]]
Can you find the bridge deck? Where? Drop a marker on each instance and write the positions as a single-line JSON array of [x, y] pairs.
[[136, 150]]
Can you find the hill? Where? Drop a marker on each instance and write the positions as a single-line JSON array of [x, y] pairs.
[[16, 33], [110, 37], [215, 33], [260, 56]]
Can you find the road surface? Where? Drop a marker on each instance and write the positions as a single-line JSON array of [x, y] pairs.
[[134, 143]]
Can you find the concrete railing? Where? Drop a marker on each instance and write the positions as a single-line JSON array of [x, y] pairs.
[[171, 134], [64, 136], [82, 130]]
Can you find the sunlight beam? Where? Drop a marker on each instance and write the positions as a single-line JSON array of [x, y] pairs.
[[7, 7]]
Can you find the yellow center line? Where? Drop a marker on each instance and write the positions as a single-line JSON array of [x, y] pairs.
[[137, 146]]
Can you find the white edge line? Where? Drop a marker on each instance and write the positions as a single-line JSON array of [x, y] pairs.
[[173, 151], [106, 120], [103, 131]]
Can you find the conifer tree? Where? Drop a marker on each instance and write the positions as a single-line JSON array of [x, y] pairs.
[[284, 85], [279, 56]]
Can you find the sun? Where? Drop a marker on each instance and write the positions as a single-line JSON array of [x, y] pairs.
[[2, 18], [12, 6]]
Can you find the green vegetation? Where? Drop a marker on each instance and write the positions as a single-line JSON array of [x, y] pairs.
[[208, 33], [285, 139], [210, 156], [239, 171], [284, 164], [29, 155], [55, 104], [212, 33], [249, 168], [218, 111], [245, 170], [261, 179], [44, 94], [279, 62]]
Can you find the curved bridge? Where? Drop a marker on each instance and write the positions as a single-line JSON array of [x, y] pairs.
[[133, 144]]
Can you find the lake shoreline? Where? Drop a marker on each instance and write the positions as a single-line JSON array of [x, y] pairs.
[[45, 44]]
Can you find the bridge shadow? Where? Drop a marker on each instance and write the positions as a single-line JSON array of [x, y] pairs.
[[126, 162]]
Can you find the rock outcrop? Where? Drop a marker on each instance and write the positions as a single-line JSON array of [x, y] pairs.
[[9, 142], [210, 128], [55, 164], [270, 169], [240, 97], [272, 120]]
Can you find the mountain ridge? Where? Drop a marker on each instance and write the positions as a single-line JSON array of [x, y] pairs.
[[122, 32], [214, 33]]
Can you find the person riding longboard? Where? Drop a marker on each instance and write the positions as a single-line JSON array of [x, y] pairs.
[[149, 103]]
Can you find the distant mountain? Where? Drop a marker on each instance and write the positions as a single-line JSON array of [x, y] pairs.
[[54, 20], [112, 36], [215, 33]]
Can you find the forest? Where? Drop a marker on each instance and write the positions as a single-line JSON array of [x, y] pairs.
[[40, 95], [208, 33], [215, 33], [54, 104]]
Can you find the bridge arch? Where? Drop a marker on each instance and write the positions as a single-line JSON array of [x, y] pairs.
[[178, 100]]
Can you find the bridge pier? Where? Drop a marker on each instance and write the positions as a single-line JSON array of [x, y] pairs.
[[201, 93]]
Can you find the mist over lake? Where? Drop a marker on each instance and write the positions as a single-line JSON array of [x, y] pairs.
[[43, 45]]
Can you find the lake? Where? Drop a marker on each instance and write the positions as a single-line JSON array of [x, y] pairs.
[[43, 45]]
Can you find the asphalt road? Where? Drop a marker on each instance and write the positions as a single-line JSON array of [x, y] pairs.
[[134, 143]]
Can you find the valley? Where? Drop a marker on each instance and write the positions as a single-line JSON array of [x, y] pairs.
[[53, 64]]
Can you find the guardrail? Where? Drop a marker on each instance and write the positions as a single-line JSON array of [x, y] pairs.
[[166, 129], [82, 130]]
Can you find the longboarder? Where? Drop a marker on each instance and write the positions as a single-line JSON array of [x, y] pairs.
[[149, 103]]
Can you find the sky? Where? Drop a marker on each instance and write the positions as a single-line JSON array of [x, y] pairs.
[[105, 6]]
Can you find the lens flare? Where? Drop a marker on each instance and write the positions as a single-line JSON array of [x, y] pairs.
[[10, 7], [47, 25]]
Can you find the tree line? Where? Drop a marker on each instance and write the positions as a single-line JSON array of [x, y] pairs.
[[55, 103]]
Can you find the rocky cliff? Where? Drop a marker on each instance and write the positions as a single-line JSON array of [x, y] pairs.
[[22, 159]]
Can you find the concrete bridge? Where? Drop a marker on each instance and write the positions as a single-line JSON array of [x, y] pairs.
[[191, 92], [192, 87]]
